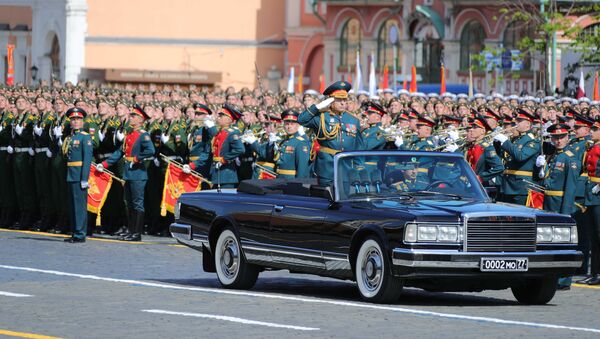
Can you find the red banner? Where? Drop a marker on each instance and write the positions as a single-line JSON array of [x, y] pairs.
[[99, 185], [10, 73], [265, 175], [535, 199], [177, 183]]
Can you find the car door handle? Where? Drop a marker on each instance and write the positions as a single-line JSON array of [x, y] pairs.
[[278, 208]]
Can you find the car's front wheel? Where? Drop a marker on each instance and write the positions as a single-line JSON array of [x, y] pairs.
[[373, 274], [232, 269], [535, 291]]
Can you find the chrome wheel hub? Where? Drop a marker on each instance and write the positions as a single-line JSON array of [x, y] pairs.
[[371, 269], [230, 258]]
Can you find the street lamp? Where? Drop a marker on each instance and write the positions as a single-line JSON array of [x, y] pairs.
[[34, 72]]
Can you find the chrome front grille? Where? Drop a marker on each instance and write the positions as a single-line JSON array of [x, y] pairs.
[[500, 234]]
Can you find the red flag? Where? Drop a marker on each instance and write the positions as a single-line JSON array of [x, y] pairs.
[[177, 183], [443, 81], [265, 175], [413, 80], [404, 83], [10, 73], [386, 78], [535, 199], [321, 83], [300, 84], [99, 185], [349, 78], [596, 94], [581, 88]]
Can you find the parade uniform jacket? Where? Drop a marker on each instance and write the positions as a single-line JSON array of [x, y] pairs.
[[346, 138], [110, 143], [200, 152], [6, 121], [176, 147], [77, 149], [560, 182], [485, 162], [226, 146], [136, 148], [374, 140], [592, 167], [23, 142], [579, 147], [42, 142], [520, 153]]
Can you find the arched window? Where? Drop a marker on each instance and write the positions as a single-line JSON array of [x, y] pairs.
[[471, 43], [514, 33], [350, 42], [592, 30], [385, 49], [55, 58]]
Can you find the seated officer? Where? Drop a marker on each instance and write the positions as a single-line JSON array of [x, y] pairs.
[[408, 180], [77, 149]]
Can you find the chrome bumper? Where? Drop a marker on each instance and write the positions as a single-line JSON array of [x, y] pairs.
[[183, 234], [410, 258]]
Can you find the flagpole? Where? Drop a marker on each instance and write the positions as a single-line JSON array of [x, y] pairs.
[[395, 61], [111, 174], [179, 165]]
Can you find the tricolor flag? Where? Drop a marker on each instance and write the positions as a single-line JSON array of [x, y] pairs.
[[290, 86], [177, 183], [581, 88]]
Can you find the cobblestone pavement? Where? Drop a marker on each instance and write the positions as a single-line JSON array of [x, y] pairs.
[[157, 289]]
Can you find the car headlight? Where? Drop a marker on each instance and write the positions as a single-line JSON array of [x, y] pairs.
[[557, 234], [414, 233], [176, 210]]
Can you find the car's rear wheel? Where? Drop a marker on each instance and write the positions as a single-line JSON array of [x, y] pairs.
[[373, 274], [232, 269], [537, 291]]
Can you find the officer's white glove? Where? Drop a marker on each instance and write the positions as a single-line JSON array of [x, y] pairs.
[[120, 135], [596, 189], [84, 185], [1, 128], [540, 161], [453, 135], [101, 136], [9, 150], [301, 130], [37, 130], [31, 151], [49, 153], [187, 169], [19, 129], [500, 138], [238, 162], [450, 148], [325, 103], [209, 123], [57, 131], [248, 138], [156, 162], [398, 141], [218, 165], [273, 137], [541, 174], [164, 138], [99, 168]]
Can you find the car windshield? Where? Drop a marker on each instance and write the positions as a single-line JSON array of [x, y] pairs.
[[405, 175]]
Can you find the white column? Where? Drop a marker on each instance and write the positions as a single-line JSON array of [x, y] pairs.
[[76, 29]]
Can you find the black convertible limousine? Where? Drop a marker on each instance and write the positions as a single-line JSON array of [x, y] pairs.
[[391, 219]]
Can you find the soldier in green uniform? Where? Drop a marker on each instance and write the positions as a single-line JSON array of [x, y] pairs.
[[481, 155], [248, 124], [58, 165], [336, 130], [373, 135], [200, 151], [77, 149], [8, 206], [408, 180], [520, 153], [42, 157]]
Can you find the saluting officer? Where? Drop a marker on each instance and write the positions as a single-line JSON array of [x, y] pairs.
[[520, 155], [335, 129], [373, 136], [137, 147], [78, 151]]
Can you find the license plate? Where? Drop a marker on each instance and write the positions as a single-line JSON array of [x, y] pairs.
[[504, 264]]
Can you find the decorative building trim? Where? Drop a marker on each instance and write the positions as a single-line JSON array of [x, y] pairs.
[[197, 42]]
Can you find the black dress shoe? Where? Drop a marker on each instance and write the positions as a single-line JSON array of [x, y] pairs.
[[74, 240], [563, 287], [594, 281], [586, 279], [133, 237]]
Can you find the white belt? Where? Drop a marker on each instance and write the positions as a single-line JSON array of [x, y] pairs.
[[250, 159], [104, 155], [3, 148], [21, 149], [40, 149], [172, 157]]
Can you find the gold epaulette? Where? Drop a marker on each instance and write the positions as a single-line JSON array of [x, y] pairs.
[[569, 153], [300, 138], [84, 133]]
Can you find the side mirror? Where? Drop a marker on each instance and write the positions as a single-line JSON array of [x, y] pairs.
[[321, 192]]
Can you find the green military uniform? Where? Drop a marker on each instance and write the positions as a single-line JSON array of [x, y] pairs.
[[520, 154], [560, 182], [8, 205], [43, 153], [23, 174], [374, 140], [291, 158], [58, 174]]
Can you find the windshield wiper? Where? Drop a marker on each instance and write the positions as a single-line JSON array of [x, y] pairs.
[[433, 193]]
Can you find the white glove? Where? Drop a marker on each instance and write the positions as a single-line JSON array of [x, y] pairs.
[[209, 123], [120, 135], [57, 131], [84, 185], [1, 128], [301, 130], [399, 141], [500, 138], [19, 129], [325, 103], [99, 168], [156, 162], [37, 130], [541, 174], [218, 165], [596, 189], [49, 153], [31, 151], [164, 138], [187, 169], [273, 137], [101, 136], [453, 135], [248, 138], [451, 148], [540, 161], [9, 150]]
